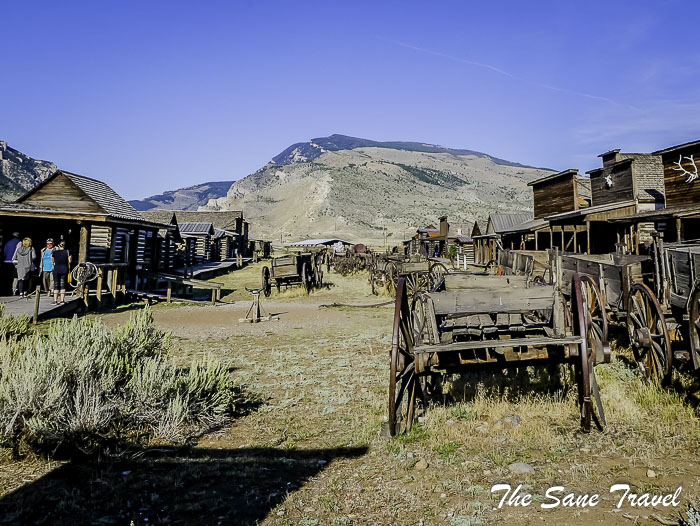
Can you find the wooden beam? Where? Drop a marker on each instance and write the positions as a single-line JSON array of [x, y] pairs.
[[84, 243], [37, 299]]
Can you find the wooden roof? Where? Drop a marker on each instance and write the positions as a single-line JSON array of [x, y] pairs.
[[102, 196]]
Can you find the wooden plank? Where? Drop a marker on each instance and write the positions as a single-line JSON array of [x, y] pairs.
[[494, 344]]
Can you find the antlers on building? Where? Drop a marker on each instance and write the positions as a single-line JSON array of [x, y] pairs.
[[691, 175]]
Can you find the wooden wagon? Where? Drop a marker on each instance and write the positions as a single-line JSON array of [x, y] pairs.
[[482, 320], [292, 270], [657, 296], [418, 272]]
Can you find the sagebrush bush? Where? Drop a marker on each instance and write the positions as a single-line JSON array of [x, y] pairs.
[[83, 386], [13, 326]]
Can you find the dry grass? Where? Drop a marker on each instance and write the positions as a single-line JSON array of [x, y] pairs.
[[323, 380]]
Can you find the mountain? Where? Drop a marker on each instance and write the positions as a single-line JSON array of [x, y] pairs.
[[189, 198], [20, 173], [358, 189]]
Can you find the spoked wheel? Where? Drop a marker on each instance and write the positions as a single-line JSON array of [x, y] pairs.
[[402, 378], [648, 334], [436, 275], [694, 326], [588, 392], [413, 283], [597, 320], [265, 282]]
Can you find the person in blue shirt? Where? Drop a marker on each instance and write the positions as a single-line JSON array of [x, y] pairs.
[[9, 269], [46, 267]]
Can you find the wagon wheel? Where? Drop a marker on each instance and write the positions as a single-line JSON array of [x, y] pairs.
[[583, 364], [402, 378], [436, 275], [305, 278], [648, 334], [392, 278], [265, 282], [597, 321], [694, 325], [414, 283]]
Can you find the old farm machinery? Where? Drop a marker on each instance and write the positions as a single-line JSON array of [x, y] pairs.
[[304, 270], [481, 321]]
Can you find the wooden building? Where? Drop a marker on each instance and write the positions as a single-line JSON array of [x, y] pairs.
[[681, 168], [227, 220], [169, 242], [259, 249], [201, 234], [488, 244], [626, 184], [224, 244], [96, 223], [679, 220]]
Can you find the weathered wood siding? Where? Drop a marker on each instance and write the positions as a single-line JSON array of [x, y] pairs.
[[621, 190], [100, 243], [678, 191], [554, 197], [62, 194]]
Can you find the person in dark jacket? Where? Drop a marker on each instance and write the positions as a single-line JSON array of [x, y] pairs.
[[61, 259], [9, 270], [24, 259]]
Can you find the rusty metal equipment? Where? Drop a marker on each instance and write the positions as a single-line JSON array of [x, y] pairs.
[[481, 321]]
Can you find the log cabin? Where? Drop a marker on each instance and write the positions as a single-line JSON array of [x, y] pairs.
[[201, 234], [169, 242], [228, 220], [96, 223]]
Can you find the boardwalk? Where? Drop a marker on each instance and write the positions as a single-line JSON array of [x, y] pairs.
[[16, 305]]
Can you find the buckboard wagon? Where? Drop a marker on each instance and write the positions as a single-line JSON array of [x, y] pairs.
[[481, 321], [292, 270]]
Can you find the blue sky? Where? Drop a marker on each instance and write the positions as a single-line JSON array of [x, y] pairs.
[[151, 96]]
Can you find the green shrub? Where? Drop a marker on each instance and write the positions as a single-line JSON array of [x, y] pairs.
[[84, 386]]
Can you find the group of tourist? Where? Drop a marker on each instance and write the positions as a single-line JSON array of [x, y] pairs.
[[20, 262]]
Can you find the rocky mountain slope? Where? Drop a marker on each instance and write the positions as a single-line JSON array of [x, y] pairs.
[[189, 198], [19, 172], [352, 188]]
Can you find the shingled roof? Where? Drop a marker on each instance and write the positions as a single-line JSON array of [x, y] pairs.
[[106, 199]]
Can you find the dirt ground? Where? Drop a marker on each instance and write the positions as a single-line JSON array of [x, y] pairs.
[[310, 450]]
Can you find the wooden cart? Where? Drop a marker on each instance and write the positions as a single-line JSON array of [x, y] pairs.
[[657, 296], [292, 270], [418, 272], [483, 320]]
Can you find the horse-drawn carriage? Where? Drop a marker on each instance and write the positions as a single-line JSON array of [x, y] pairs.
[[483, 320]]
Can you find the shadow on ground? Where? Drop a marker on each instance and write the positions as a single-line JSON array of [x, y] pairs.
[[205, 486]]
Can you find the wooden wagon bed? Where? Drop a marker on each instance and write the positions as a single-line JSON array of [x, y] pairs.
[[483, 320]]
